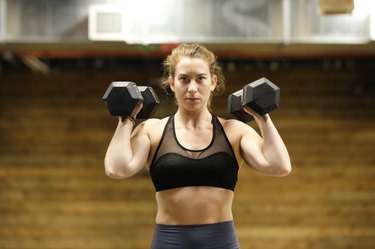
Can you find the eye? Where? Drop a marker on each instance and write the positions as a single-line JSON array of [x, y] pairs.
[[201, 77], [183, 78]]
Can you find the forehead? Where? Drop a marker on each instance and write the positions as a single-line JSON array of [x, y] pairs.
[[192, 65]]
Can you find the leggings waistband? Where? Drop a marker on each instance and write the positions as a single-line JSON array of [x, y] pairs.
[[219, 235]]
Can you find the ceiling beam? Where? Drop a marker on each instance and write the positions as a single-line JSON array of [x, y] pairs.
[[122, 50]]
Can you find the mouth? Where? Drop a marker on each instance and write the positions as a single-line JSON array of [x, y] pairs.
[[192, 99]]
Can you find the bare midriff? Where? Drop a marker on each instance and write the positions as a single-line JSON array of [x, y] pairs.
[[194, 205]]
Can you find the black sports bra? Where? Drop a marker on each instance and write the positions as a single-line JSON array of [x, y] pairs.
[[174, 166]]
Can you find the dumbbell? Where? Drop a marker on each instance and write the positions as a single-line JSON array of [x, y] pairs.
[[261, 95], [123, 97]]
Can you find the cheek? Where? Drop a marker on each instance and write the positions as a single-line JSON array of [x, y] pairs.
[[178, 91], [210, 88]]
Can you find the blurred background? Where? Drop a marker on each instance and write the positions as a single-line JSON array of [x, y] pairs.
[[57, 58]]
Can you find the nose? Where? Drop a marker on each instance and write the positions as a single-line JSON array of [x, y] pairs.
[[192, 87]]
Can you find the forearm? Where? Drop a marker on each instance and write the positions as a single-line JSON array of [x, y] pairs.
[[274, 149], [119, 153]]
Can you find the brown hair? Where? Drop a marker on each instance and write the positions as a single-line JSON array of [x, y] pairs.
[[192, 51]]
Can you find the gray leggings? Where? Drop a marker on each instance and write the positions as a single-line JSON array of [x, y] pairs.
[[220, 235]]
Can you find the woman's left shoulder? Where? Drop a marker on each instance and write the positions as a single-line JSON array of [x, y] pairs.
[[231, 123], [234, 126]]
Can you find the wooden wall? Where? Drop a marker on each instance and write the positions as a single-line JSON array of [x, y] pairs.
[[54, 131]]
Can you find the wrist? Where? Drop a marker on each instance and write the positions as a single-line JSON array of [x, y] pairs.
[[128, 118], [265, 117], [262, 118]]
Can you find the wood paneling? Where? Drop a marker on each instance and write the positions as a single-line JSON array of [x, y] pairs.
[[54, 131]]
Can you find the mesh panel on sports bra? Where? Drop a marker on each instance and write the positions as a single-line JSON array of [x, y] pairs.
[[170, 144]]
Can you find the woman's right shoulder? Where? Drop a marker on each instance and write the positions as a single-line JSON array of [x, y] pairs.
[[154, 128], [152, 125], [155, 121]]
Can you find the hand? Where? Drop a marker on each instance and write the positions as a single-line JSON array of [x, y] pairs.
[[133, 115], [137, 110], [256, 115]]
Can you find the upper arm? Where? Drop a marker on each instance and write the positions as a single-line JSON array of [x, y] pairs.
[[246, 142], [140, 146], [251, 148], [266, 156]]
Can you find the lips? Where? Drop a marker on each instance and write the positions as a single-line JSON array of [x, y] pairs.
[[192, 99]]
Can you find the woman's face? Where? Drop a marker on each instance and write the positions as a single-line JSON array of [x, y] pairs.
[[192, 83]]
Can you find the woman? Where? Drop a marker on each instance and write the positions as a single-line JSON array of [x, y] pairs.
[[194, 156]]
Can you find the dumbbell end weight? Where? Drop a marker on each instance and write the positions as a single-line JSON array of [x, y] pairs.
[[122, 98], [262, 96]]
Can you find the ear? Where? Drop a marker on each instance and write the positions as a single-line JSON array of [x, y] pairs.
[[213, 82], [171, 83]]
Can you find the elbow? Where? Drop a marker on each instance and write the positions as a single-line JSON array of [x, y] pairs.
[[114, 175], [277, 170], [114, 172], [284, 170]]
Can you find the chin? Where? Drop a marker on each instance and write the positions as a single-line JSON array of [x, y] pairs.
[[194, 108]]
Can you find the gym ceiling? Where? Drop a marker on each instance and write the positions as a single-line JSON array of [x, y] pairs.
[[35, 33]]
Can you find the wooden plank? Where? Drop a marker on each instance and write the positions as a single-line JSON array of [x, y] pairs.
[[54, 131]]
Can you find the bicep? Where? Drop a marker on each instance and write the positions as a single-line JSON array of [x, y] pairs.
[[140, 144], [251, 149]]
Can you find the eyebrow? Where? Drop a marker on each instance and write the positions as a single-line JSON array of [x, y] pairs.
[[199, 74], [202, 74]]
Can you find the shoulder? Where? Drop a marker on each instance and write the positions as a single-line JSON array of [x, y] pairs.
[[233, 124], [152, 125], [237, 129], [154, 121], [153, 128], [229, 122]]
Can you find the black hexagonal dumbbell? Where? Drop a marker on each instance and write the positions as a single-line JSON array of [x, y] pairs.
[[122, 98], [261, 95]]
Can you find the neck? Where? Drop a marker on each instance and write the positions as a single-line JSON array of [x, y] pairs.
[[193, 119]]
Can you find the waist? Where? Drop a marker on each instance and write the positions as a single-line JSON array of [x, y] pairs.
[[219, 235], [182, 227], [194, 205]]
